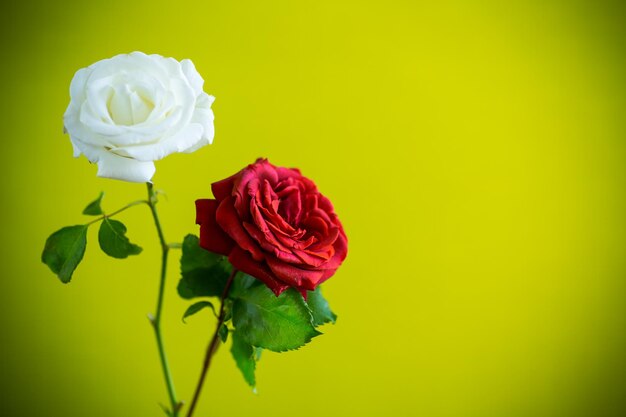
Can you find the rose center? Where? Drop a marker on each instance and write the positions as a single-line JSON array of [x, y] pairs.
[[128, 106]]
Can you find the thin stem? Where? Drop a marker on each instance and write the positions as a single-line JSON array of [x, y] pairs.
[[156, 321], [213, 345], [126, 207]]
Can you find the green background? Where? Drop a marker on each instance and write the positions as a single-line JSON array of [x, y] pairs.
[[473, 150]]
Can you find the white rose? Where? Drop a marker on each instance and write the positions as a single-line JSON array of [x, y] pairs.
[[130, 110]]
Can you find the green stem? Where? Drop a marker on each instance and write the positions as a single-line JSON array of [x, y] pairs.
[[212, 345], [126, 207], [156, 321]]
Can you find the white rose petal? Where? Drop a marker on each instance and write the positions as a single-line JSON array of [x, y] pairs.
[[130, 110]]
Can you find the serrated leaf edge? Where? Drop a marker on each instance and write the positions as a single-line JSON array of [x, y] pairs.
[[332, 320], [307, 339]]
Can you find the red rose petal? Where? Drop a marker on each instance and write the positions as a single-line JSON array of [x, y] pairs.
[[275, 220], [310, 203], [288, 172], [288, 257], [294, 276], [313, 259], [267, 197], [242, 261], [294, 240], [325, 204], [268, 243], [263, 227], [341, 251], [228, 220], [260, 171], [325, 240], [212, 237], [317, 212], [243, 197], [327, 274], [203, 210], [315, 223], [290, 204], [224, 188]]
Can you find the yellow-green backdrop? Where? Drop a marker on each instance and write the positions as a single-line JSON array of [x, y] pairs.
[[473, 150]]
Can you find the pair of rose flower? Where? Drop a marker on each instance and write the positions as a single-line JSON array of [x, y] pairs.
[[272, 223]]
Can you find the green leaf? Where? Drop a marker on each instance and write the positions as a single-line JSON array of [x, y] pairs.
[[223, 333], [275, 323], [244, 355], [113, 240], [319, 308], [228, 309], [204, 274], [257, 353], [241, 284], [64, 250], [194, 308], [93, 208]]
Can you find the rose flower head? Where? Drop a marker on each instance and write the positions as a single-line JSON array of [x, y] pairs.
[[274, 225], [130, 110]]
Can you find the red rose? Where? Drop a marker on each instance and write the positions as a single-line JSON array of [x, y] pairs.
[[273, 224]]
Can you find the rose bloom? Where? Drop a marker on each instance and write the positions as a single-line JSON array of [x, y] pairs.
[[130, 110], [273, 224]]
